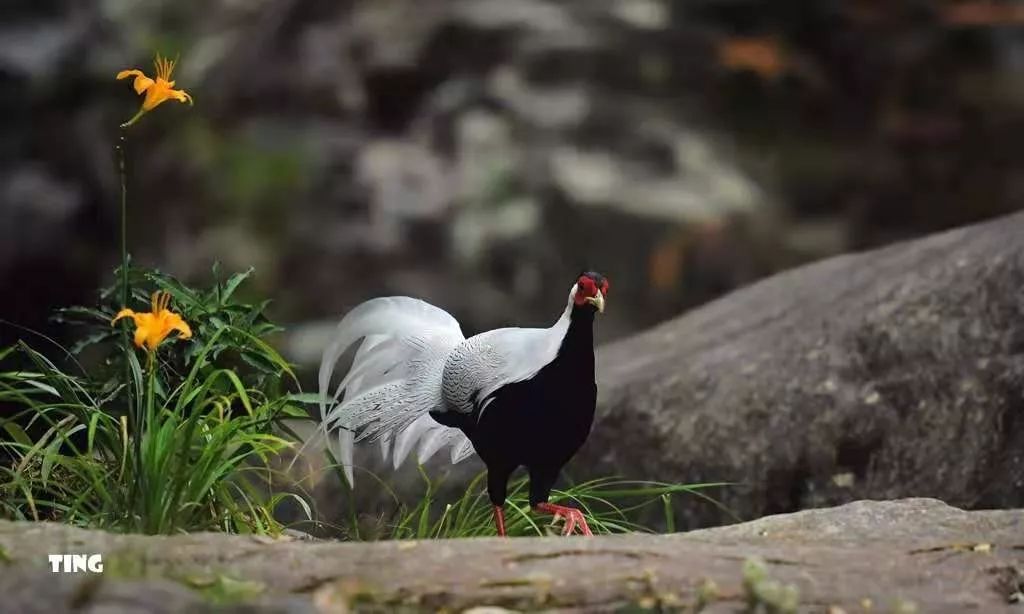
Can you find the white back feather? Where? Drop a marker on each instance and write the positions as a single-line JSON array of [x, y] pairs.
[[481, 365]]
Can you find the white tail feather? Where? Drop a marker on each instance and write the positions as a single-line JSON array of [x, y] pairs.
[[409, 436], [394, 380], [433, 441], [461, 450], [342, 448]]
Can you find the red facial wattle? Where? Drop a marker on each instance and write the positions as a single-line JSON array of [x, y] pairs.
[[587, 288]]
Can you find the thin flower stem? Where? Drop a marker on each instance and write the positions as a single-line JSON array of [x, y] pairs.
[[147, 423], [134, 406], [124, 219], [131, 121], [124, 446]]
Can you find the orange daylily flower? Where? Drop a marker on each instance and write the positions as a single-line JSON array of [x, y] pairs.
[[157, 91], [152, 328]]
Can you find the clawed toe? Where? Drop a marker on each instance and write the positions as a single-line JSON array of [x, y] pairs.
[[574, 518], [577, 520]]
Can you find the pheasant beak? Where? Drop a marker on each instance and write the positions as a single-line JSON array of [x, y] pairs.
[[597, 301]]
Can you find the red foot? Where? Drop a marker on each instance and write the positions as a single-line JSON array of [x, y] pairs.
[[499, 520], [573, 517]]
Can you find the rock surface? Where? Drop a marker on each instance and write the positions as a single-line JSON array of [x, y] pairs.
[[898, 372], [899, 554]]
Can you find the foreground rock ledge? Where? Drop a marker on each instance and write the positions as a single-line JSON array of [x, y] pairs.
[[913, 553]]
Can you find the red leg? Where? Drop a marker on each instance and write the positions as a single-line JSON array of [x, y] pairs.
[[499, 520], [573, 517]]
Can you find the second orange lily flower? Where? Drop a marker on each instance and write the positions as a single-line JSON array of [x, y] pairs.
[[152, 328], [157, 90]]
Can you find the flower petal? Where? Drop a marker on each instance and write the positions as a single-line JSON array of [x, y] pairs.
[[155, 95], [124, 313], [174, 322], [180, 96], [141, 336], [142, 83]]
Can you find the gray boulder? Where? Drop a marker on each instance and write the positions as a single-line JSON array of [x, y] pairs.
[[892, 373]]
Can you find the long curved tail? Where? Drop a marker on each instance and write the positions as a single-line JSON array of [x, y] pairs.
[[394, 381]]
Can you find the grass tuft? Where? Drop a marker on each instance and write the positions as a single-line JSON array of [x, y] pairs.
[[611, 506]]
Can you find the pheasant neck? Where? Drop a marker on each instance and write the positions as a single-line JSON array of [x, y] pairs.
[[579, 336]]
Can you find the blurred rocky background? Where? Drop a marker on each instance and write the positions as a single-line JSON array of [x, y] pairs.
[[479, 153]]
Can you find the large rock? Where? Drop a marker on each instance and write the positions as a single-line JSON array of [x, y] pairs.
[[903, 556], [897, 372]]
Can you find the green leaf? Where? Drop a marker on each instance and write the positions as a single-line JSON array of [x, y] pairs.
[[44, 387], [182, 294], [256, 312], [305, 397], [260, 362], [232, 284], [73, 314], [291, 411], [92, 339], [50, 456], [17, 434], [91, 433]]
